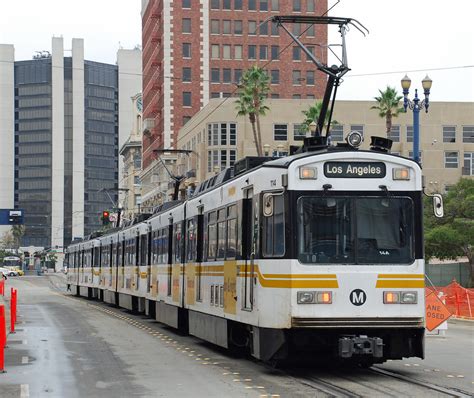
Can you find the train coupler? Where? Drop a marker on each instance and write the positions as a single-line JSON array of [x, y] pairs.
[[360, 345]]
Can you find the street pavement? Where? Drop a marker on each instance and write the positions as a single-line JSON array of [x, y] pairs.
[[71, 347]]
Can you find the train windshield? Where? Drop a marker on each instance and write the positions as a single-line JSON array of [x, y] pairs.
[[354, 230]]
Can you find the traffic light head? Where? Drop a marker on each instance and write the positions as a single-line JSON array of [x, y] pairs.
[[105, 217]]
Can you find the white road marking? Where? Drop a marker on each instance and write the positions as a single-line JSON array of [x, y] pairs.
[[24, 360], [25, 391]]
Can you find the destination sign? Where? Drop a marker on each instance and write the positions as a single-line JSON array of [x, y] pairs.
[[354, 169]]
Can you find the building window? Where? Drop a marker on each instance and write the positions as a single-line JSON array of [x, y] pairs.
[[337, 132], [215, 4], [297, 5], [238, 27], [227, 75], [275, 95], [215, 95], [468, 169], [275, 52], [451, 160], [310, 6], [275, 76], [280, 132], [186, 27], [215, 51], [297, 29], [232, 135], [296, 54], [252, 5], [310, 96], [237, 75], [226, 5], [238, 52], [263, 29], [410, 155], [310, 77], [215, 75], [311, 31], [226, 48], [299, 132], [223, 159], [311, 50], [394, 134], [226, 27], [232, 156], [186, 98], [263, 52], [252, 52], [209, 161], [138, 199], [296, 77], [237, 4], [275, 5], [357, 127], [136, 180], [186, 119], [274, 29], [186, 50], [468, 134], [263, 5], [186, 3], [137, 161], [215, 26], [409, 133], [252, 28], [186, 74], [296, 96], [449, 133], [223, 133]]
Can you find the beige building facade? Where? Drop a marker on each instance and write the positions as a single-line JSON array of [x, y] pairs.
[[131, 152], [217, 138]]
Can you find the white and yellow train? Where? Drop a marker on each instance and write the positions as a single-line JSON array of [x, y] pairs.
[[319, 253]]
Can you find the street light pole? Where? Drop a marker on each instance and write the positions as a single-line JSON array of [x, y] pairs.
[[416, 106]]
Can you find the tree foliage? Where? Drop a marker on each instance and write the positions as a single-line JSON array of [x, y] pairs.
[[312, 115], [388, 106], [253, 90], [453, 235]]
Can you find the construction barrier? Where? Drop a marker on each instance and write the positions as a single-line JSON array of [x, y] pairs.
[[3, 338], [458, 299], [2, 286]]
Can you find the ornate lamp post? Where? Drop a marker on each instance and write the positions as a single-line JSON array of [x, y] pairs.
[[416, 106]]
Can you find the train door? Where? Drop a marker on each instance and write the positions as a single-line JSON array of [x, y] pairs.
[[138, 262], [248, 249], [148, 257]]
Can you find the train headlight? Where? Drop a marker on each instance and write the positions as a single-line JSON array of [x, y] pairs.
[[355, 139], [401, 174], [308, 173], [305, 297], [409, 297], [314, 297], [400, 297]]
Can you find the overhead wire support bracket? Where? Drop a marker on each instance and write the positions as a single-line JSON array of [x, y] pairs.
[[334, 72]]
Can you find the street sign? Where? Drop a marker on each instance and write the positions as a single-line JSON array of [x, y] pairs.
[[11, 217], [436, 312]]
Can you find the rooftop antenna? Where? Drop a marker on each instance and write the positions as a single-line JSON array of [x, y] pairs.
[[334, 72]]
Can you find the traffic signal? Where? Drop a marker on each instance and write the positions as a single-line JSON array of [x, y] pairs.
[[105, 217]]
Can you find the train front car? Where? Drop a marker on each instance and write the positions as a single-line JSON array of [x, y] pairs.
[[351, 258]]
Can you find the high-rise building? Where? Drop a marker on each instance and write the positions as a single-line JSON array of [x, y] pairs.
[[66, 132], [197, 50]]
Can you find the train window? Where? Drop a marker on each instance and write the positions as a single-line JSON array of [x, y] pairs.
[[191, 240], [231, 231], [165, 245], [143, 249], [374, 230], [274, 229], [211, 236], [178, 242], [96, 257], [221, 233]]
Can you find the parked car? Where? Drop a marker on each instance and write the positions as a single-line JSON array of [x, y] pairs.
[[8, 272], [18, 271]]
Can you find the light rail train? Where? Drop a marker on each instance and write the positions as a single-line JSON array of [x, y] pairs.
[[320, 253]]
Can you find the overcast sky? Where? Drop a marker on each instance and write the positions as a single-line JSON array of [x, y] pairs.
[[405, 35]]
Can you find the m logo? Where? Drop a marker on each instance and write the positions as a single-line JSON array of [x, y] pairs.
[[358, 297]]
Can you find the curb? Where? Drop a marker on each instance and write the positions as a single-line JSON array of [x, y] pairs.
[[455, 319]]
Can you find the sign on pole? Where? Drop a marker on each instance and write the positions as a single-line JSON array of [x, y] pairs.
[[436, 312]]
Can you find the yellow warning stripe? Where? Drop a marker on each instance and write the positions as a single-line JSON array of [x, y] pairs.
[[400, 284], [401, 276]]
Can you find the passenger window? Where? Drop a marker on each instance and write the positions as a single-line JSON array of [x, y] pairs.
[[231, 231], [274, 229], [212, 236], [221, 235]]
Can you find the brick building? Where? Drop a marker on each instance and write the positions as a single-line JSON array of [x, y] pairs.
[[195, 50]]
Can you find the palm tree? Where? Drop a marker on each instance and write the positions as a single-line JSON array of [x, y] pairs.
[[312, 115], [254, 88], [388, 106]]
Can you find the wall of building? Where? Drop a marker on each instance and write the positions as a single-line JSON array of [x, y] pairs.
[[7, 126], [205, 132]]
